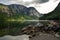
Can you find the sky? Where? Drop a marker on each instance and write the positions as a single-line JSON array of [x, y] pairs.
[[42, 6]]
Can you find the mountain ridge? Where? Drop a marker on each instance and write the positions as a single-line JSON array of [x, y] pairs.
[[20, 9]]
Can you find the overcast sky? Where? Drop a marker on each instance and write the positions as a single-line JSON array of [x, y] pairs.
[[42, 6], [22, 1]]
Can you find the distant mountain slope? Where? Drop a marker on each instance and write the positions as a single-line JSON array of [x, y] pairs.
[[54, 15], [18, 10], [32, 11]]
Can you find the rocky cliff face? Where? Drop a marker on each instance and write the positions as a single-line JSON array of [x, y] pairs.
[[32, 11], [19, 9]]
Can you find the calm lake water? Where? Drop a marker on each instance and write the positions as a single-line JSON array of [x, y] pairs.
[[20, 37], [14, 27]]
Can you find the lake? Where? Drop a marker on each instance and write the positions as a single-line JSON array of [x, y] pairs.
[[20, 37]]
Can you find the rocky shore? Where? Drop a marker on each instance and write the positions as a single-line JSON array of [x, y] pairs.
[[51, 27]]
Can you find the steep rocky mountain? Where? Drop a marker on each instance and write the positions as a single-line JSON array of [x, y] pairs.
[[54, 15], [19, 9], [32, 11]]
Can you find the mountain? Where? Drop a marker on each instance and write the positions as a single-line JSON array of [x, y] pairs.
[[54, 15], [18, 10], [22, 9], [32, 11]]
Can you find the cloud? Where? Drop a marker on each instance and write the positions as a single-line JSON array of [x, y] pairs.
[[23, 1], [41, 1], [44, 7]]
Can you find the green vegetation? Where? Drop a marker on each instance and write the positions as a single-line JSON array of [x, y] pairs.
[[12, 24], [51, 16]]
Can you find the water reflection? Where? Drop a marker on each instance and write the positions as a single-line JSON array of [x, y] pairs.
[[19, 28], [21, 37]]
